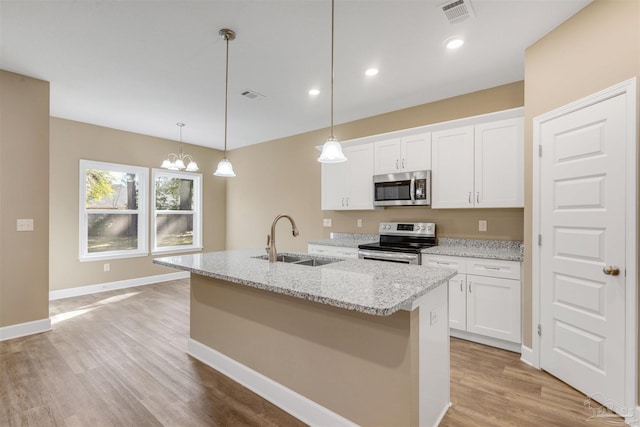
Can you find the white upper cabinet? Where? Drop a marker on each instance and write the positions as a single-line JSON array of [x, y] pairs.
[[452, 168], [479, 166], [405, 154], [349, 185], [499, 164]]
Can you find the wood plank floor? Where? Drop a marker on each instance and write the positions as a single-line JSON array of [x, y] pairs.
[[119, 359]]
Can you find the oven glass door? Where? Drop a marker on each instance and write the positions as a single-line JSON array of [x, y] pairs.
[[398, 257]]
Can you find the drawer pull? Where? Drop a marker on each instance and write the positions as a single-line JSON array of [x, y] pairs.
[[442, 263], [488, 267]]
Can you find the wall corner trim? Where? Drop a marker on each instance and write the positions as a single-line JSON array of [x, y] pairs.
[[288, 400], [24, 329], [120, 284], [527, 356]]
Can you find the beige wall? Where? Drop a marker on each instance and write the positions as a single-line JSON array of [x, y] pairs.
[[597, 48], [283, 176], [72, 141], [24, 193]]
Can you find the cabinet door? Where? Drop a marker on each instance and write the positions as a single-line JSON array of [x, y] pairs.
[[493, 307], [415, 152], [334, 186], [499, 164], [458, 302], [452, 168], [387, 156], [359, 176]]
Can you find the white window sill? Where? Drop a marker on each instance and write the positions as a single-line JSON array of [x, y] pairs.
[[164, 251], [105, 257]]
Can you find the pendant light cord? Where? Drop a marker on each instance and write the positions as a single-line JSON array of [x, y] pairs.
[[226, 96], [332, 19]]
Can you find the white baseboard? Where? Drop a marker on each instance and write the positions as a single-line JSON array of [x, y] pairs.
[[635, 420], [482, 339], [288, 400], [526, 355], [24, 329], [120, 284]]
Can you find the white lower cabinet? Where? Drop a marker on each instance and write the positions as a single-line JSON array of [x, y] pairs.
[[484, 298], [332, 251]]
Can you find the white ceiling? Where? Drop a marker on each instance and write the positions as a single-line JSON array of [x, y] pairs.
[[143, 65]]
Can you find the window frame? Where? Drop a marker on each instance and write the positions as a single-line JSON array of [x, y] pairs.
[[142, 212], [196, 212]]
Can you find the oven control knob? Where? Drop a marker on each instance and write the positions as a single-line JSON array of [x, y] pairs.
[[423, 227]]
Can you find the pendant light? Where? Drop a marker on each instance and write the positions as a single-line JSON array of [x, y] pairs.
[[175, 162], [224, 167], [332, 150]]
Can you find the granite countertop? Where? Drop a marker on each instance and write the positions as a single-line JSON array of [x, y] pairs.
[[347, 240], [507, 250], [372, 287]]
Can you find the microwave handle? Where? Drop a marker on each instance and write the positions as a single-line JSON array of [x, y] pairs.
[[412, 189]]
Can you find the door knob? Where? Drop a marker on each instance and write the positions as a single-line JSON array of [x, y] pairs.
[[611, 270]]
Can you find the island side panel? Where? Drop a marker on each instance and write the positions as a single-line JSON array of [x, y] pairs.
[[356, 365]]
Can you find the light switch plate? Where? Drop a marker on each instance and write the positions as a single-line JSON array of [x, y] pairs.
[[359, 222], [482, 225], [326, 222], [24, 225]]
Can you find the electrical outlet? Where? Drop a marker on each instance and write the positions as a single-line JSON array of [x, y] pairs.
[[326, 222], [24, 225], [107, 267], [433, 318], [359, 222], [482, 225]]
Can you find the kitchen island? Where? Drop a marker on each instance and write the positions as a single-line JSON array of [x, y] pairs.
[[346, 343]]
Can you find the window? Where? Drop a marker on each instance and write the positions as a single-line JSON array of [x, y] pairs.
[[113, 211], [177, 211]]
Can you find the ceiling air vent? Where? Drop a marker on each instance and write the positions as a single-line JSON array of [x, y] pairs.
[[457, 11], [251, 94]]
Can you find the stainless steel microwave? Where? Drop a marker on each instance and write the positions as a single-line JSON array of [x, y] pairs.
[[402, 189]]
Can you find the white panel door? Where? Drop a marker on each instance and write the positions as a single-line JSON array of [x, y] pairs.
[[458, 302], [582, 223], [493, 307], [334, 186], [499, 164], [416, 152], [452, 166], [360, 176], [387, 156]]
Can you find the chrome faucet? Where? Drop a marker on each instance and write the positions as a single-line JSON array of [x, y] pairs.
[[271, 238]]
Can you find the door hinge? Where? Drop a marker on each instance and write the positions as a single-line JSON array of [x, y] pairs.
[[539, 239], [539, 150], [539, 330]]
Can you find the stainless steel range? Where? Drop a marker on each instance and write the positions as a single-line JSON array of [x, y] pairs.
[[400, 242]]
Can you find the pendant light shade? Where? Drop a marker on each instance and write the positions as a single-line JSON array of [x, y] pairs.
[[225, 168], [332, 150]]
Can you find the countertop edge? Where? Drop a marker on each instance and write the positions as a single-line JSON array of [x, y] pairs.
[[387, 311]]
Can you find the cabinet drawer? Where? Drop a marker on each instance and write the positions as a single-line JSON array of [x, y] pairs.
[[445, 261], [493, 268]]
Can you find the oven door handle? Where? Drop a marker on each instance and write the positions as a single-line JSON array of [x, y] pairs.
[[387, 255]]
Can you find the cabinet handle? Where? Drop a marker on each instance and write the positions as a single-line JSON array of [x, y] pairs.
[[461, 290], [469, 197], [402, 163], [488, 267], [397, 164], [343, 202], [347, 201], [469, 286], [478, 197], [442, 263]]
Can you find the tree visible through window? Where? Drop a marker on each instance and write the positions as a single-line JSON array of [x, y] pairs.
[[177, 211], [113, 214]]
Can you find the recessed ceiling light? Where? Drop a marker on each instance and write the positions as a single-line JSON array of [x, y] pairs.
[[371, 72], [314, 92], [454, 42]]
